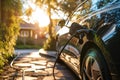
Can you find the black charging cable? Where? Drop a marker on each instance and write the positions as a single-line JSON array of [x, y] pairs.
[[78, 32]]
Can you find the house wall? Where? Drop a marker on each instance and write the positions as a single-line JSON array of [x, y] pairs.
[[26, 33], [25, 37], [30, 37]]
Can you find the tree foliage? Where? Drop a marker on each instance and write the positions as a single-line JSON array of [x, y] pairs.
[[28, 12], [52, 7], [67, 6], [9, 28]]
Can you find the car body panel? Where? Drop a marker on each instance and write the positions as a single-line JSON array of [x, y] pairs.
[[103, 23]]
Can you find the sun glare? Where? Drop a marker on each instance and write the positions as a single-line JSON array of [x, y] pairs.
[[41, 17], [37, 16]]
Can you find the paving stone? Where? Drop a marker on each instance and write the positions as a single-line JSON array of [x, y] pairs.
[[38, 67], [29, 69], [50, 71], [23, 59], [37, 59], [50, 78], [33, 54], [40, 62], [36, 75], [23, 64], [42, 72], [27, 78], [50, 64], [4, 77]]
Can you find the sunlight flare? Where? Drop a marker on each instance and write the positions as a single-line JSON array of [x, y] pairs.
[[41, 17], [38, 15]]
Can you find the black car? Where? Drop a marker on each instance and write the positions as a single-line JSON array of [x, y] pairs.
[[89, 42]]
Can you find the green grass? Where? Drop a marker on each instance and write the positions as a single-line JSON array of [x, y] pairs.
[[27, 47]]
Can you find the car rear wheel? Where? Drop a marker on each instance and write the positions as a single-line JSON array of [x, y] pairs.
[[94, 66]]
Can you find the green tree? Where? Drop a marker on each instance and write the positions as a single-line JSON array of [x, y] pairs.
[[28, 12], [9, 28], [54, 6], [68, 6], [50, 4]]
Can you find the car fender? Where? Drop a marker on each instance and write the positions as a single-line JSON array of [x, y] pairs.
[[96, 42]]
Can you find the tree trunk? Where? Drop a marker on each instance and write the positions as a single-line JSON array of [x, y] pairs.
[[3, 11], [49, 14]]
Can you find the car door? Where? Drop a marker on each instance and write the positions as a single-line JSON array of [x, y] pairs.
[[70, 51], [68, 44]]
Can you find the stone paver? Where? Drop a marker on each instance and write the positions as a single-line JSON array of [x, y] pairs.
[[32, 66]]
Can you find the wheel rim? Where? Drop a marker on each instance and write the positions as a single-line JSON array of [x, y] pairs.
[[91, 69]]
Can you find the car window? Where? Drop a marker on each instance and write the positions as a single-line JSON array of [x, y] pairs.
[[103, 19], [96, 10], [80, 12], [88, 7]]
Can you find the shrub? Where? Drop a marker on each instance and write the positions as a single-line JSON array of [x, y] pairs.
[[7, 41], [50, 44], [9, 28]]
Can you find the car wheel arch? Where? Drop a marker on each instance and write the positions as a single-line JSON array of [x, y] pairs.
[[87, 46]]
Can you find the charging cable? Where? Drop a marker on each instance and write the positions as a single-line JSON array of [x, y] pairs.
[[18, 69], [78, 32]]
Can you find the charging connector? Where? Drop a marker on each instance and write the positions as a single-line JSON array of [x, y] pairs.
[[86, 31]]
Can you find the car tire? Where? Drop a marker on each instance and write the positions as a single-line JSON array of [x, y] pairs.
[[94, 66]]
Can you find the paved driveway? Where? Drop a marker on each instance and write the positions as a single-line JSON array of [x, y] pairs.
[[30, 65]]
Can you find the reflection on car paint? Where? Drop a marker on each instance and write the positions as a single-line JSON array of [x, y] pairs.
[[109, 34], [72, 49], [103, 19], [62, 31]]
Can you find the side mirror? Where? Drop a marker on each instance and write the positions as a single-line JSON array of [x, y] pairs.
[[74, 27], [61, 23]]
